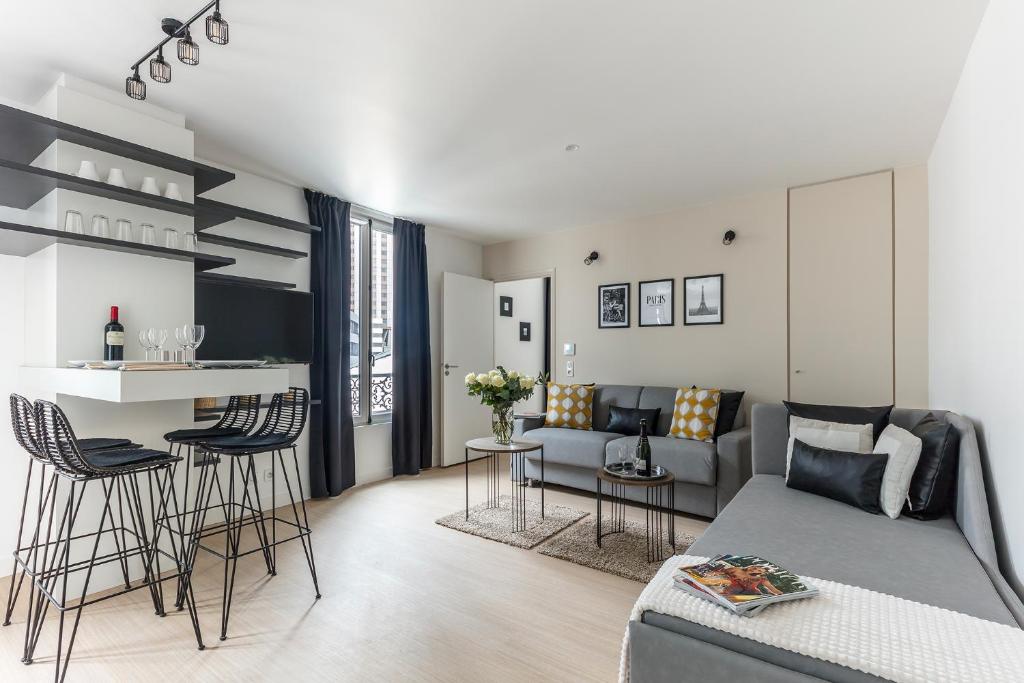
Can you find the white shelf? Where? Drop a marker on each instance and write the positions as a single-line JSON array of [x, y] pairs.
[[162, 385]]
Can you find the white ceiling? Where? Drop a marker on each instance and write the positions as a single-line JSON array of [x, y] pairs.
[[457, 112]]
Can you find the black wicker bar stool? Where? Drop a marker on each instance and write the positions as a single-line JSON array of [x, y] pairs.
[[122, 475], [23, 424], [239, 418], [282, 425]]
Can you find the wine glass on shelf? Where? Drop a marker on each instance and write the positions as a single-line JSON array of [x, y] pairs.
[[181, 336], [157, 338], [195, 337], [144, 342]]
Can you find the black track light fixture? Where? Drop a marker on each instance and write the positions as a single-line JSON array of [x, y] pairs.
[[159, 69], [134, 86], [591, 257], [728, 237], [216, 27], [187, 49]]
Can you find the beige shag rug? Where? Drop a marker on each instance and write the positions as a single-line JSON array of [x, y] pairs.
[[496, 523], [623, 554]]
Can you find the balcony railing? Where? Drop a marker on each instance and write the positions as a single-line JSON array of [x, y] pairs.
[[380, 393]]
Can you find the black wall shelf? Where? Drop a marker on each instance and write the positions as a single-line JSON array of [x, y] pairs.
[[211, 238], [210, 212], [242, 281], [23, 136], [22, 240], [22, 185]]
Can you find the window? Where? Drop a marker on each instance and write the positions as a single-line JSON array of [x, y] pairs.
[[372, 311]]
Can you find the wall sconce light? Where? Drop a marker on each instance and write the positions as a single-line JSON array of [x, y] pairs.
[[591, 258], [728, 237]]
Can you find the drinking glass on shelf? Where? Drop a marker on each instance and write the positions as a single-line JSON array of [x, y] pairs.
[[191, 243], [100, 226], [73, 222], [124, 230], [148, 234], [196, 334], [170, 238]]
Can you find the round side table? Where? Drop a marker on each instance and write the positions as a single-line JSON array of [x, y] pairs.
[[656, 491], [517, 450]]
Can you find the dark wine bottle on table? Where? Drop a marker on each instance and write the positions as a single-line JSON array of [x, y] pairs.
[[113, 338], [643, 450]]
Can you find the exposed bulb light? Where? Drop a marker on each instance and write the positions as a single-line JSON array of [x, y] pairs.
[[188, 51], [135, 87], [216, 27], [728, 237], [159, 69]]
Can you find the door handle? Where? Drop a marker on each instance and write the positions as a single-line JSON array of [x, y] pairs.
[[448, 367]]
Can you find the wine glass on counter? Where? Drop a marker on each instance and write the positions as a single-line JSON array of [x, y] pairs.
[[157, 338], [196, 335]]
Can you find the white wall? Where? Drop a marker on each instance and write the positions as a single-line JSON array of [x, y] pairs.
[[511, 353], [12, 484], [976, 172]]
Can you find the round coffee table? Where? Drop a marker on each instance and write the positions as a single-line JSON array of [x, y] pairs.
[[655, 494], [517, 450]]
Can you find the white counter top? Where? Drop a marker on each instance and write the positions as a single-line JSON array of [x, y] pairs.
[[160, 385]]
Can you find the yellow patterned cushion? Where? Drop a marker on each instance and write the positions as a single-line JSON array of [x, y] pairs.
[[570, 406], [695, 414]]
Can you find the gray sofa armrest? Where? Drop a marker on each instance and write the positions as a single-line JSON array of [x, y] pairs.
[[734, 467], [525, 424]]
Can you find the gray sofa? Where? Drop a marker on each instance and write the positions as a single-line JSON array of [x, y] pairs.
[[950, 562], [707, 475]]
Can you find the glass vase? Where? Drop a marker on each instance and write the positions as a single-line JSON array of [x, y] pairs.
[[502, 424]]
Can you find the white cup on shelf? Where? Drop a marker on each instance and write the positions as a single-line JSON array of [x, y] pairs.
[[87, 170], [149, 185], [173, 191], [116, 178]]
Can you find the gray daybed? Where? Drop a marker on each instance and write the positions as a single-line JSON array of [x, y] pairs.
[[950, 562], [707, 475]]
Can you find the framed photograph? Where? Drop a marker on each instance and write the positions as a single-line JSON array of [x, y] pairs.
[[656, 299], [613, 305], [704, 300], [524, 331], [505, 306]]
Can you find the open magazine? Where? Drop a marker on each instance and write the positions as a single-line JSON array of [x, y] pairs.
[[743, 584]]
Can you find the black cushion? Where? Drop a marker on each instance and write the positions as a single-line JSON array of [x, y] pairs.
[[728, 409], [627, 420], [126, 457], [200, 433], [853, 415], [246, 443], [931, 489], [851, 478], [102, 443]]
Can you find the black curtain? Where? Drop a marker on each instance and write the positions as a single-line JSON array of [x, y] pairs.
[[411, 428], [332, 451]]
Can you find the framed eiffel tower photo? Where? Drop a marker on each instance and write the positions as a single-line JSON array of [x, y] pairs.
[[704, 300]]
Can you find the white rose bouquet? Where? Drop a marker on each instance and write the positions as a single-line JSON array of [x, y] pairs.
[[501, 389]]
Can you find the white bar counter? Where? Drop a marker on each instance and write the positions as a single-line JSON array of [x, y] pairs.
[[134, 386]]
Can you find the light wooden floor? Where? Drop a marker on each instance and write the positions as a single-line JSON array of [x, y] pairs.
[[404, 599]]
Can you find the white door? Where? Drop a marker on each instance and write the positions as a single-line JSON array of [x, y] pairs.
[[840, 291], [468, 346]]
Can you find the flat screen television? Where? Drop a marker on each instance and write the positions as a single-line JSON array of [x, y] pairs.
[[251, 323]]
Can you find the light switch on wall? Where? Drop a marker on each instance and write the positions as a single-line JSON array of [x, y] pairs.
[[568, 349], [570, 369]]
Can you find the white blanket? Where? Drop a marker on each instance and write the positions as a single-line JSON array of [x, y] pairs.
[[889, 637]]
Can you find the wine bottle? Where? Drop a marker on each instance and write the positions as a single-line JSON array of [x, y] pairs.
[[113, 338], [643, 450]]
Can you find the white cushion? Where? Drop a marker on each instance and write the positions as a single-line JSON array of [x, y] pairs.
[[835, 436], [903, 449]]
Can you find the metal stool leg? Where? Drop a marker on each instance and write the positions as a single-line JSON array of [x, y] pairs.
[[12, 593], [303, 524]]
